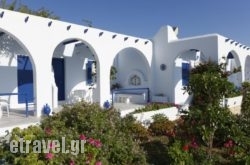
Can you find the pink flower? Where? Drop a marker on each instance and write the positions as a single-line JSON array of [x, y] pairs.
[[91, 141], [226, 145], [229, 144], [82, 137], [98, 163], [49, 156], [51, 145], [194, 143], [71, 162], [97, 143]]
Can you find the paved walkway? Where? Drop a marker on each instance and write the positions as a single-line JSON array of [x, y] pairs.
[[17, 118]]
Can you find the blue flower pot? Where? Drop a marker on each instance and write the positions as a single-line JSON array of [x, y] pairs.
[[107, 105], [46, 109]]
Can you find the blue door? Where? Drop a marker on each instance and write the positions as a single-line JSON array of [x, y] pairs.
[[24, 79], [185, 73], [58, 67]]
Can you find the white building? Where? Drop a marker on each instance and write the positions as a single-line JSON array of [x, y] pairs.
[[45, 61]]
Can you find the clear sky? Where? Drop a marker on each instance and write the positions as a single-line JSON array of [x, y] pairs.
[[143, 18]]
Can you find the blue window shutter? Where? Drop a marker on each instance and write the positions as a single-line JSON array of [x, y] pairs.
[[89, 72], [24, 79], [185, 73]]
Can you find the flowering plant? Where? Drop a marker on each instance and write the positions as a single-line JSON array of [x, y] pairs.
[[79, 134]]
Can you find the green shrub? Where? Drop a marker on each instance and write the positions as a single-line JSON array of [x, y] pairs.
[[161, 125], [139, 132], [179, 153], [208, 133]]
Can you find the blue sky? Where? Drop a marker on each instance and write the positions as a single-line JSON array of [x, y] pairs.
[[143, 18]]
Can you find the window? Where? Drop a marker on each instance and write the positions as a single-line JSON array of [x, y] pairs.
[[185, 73], [135, 80], [91, 72]]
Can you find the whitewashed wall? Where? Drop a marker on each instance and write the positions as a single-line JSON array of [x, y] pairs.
[[166, 49], [39, 37]]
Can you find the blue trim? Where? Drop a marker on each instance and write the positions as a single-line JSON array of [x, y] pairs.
[[126, 91], [25, 79], [59, 75], [185, 73]]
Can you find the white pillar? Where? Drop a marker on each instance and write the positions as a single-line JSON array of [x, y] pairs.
[[43, 86], [104, 83]]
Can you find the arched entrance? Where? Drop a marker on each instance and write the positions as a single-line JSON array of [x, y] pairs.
[[233, 66], [132, 76], [74, 73], [17, 72]]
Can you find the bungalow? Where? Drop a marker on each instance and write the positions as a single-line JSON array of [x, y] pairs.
[[45, 61]]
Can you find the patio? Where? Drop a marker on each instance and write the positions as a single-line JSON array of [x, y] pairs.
[[17, 118]]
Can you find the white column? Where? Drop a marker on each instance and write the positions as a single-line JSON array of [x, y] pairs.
[[43, 86], [104, 83]]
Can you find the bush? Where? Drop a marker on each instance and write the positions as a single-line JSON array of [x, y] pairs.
[[161, 125], [107, 137], [208, 133], [245, 106]]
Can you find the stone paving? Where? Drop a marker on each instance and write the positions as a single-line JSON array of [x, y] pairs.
[[17, 118]]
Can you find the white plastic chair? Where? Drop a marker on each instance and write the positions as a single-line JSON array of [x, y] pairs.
[[5, 104], [78, 95]]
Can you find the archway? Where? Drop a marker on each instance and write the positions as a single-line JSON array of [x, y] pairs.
[[132, 77], [74, 73], [233, 66], [183, 64], [17, 72]]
